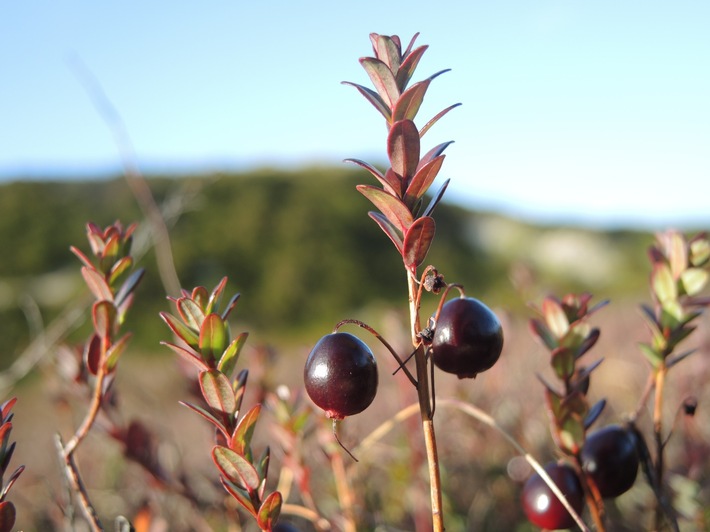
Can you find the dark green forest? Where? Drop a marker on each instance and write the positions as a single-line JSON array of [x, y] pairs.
[[298, 246]]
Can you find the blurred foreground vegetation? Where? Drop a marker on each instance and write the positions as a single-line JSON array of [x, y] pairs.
[[298, 245]]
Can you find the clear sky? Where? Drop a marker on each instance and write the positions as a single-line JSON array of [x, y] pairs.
[[595, 112]]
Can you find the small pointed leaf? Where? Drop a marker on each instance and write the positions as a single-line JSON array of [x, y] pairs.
[[411, 100], [129, 286], [391, 207], [374, 98], [653, 356], [540, 330], [664, 286], [436, 199], [417, 241], [115, 351], [240, 495], [388, 52], [407, 67], [392, 188], [190, 312], [92, 354], [389, 229], [216, 297], [103, 315], [436, 118], [181, 331], [422, 180], [207, 415], [231, 304], [231, 354], [190, 356], [555, 317], [119, 268], [594, 413]]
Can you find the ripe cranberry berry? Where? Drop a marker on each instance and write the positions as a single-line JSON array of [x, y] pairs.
[[341, 375], [468, 338], [542, 506], [610, 458]]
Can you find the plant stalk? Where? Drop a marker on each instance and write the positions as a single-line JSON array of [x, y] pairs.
[[426, 409]]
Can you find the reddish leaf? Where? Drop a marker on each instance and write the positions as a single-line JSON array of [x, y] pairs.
[[269, 511], [213, 338], [10, 481], [190, 356], [540, 330], [6, 408], [433, 153], [391, 207], [387, 51], [230, 306], [128, 287], [382, 78], [235, 468], [434, 120], [239, 494], [181, 331], [403, 148], [92, 354], [217, 391], [83, 258], [119, 268], [200, 296], [411, 100], [103, 314], [417, 241], [5, 430], [374, 98], [390, 230], [409, 64], [392, 188], [97, 284], [7, 516], [422, 180], [436, 199], [207, 415], [555, 317]]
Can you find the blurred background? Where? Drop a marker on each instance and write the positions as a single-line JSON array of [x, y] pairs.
[[584, 129]]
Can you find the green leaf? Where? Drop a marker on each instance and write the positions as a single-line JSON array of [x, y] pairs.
[[389, 229], [236, 468], [241, 438], [436, 118], [699, 251], [433, 153], [571, 435], [417, 241], [382, 78], [118, 269], [103, 315], [422, 180], [393, 188], [562, 361], [540, 330], [217, 391], [374, 98], [190, 312], [408, 66], [403, 148], [269, 511], [213, 338], [664, 286], [391, 207], [186, 334], [653, 356], [115, 352], [215, 297], [694, 280], [231, 354]]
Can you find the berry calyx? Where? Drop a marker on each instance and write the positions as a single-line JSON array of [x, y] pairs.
[[341, 375], [468, 338], [541, 505], [610, 459]]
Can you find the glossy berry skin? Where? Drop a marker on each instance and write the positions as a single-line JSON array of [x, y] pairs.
[[610, 458], [341, 375], [542, 507], [468, 338]]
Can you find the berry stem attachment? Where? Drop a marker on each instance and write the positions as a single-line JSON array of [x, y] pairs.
[[335, 434], [384, 342]]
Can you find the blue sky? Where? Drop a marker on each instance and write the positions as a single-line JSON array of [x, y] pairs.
[[595, 112]]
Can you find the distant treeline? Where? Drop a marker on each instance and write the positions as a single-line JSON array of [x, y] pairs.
[[298, 245]]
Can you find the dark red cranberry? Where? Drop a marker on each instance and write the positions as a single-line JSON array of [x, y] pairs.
[[341, 375], [468, 338], [609, 457], [542, 506]]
